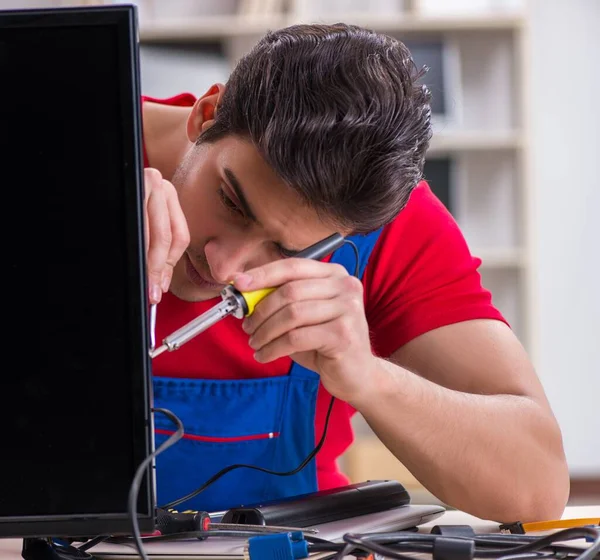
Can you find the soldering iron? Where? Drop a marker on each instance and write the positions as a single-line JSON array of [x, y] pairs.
[[236, 303]]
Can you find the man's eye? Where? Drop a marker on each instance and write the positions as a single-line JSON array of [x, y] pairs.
[[286, 253], [229, 204]]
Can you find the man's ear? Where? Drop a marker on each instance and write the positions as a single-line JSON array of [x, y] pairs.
[[203, 111]]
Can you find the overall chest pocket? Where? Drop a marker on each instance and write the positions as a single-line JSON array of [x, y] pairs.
[[226, 422]]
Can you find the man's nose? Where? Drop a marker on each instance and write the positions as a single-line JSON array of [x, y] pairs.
[[228, 259]]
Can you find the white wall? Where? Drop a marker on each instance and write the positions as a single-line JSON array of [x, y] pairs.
[[167, 71], [565, 144]]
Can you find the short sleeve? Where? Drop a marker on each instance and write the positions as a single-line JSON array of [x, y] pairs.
[[422, 276], [179, 100]]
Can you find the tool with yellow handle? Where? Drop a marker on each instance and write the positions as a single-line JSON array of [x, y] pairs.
[[552, 525], [239, 304], [251, 299]]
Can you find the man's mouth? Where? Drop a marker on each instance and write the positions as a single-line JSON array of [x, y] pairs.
[[200, 279]]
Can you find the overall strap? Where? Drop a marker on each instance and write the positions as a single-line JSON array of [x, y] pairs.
[[346, 256]]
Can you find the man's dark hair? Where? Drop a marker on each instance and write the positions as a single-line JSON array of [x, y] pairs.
[[338, 113]]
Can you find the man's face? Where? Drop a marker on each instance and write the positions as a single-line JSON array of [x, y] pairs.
[[240, 215]]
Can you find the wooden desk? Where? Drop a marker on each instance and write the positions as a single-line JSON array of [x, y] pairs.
[[10, 549]]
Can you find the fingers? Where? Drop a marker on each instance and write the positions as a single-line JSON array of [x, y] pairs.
[[297, 291], [323, 338], [296, 315], [167, 235], [286, 322], [281, 271], [159, 241], [180, 237]]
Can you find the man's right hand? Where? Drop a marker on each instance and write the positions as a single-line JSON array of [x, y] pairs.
[[166, 232]]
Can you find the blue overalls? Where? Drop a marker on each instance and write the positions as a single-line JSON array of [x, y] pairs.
[[266, 422]]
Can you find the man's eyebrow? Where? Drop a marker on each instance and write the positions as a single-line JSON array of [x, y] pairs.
[[239, 192]]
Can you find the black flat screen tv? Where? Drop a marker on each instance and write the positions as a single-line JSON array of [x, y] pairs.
[[75, 407]]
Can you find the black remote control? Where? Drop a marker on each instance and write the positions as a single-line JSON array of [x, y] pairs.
[[323, 506]]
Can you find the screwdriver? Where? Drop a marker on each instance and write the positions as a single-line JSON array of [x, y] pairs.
[[239, 304], [169, 522]]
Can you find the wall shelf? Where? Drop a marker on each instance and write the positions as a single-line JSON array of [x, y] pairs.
[[211, 28], [415, 23], [500, 258], [216, 27], [473, 141]]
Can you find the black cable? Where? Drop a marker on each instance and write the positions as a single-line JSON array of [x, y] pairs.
[[564, 535], [355, 248], [141, 470], [224, 471], [511, 547], [529, 556], [93, 542], [364, 543]]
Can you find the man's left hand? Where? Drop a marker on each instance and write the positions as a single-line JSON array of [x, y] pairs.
[[317, 317]]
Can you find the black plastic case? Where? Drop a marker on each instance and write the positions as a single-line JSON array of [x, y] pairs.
[[323, 506]]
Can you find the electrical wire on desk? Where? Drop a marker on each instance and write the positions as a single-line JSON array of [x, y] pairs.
[[404, 545], [93, 542], [500, 547]]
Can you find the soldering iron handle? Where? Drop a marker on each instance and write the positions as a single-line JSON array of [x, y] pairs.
[[322, 248], [250, 300]]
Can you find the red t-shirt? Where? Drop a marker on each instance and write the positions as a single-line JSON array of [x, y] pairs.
[[420, 276]]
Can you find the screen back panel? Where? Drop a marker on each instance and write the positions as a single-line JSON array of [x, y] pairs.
[[76, 394]]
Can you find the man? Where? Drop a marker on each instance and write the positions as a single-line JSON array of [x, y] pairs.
[[323, 129]]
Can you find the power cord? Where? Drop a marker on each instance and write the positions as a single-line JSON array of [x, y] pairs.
[[137, 479], [498, 546], [355, 249]]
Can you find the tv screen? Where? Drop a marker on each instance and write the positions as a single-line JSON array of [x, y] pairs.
[[75, 410]]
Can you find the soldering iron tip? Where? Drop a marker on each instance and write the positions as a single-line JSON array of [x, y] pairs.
[[157, 351]]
